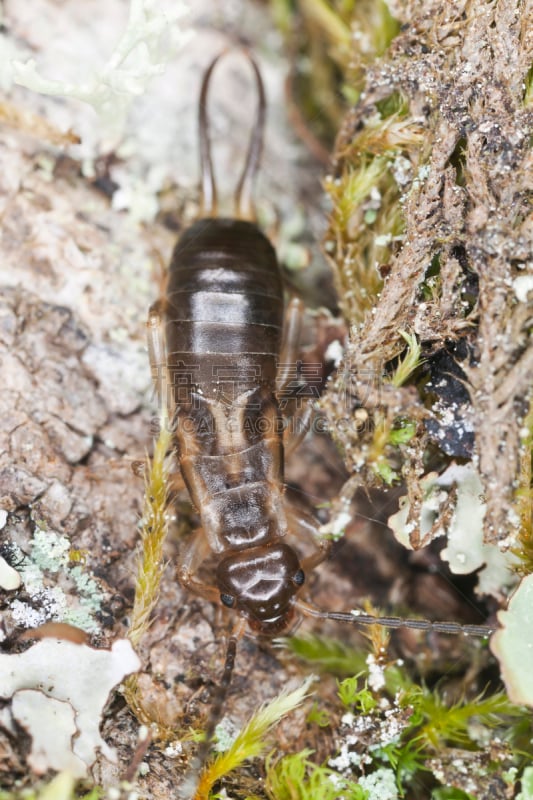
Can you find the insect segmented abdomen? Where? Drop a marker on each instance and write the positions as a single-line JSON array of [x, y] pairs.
[[225, 308], [224, 329]]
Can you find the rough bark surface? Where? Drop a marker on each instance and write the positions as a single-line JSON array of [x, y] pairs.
[[78, 275], [463, 68]]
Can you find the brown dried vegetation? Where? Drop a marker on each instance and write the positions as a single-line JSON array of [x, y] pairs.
[[443, 130]]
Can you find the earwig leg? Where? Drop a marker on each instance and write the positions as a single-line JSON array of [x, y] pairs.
[[175, 482], [157, 352], [292, 328], [297, 428], [317, 558], [304, 526], [189, 787], [190, 559]]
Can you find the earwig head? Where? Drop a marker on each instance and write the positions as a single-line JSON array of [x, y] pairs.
[[262, 582]]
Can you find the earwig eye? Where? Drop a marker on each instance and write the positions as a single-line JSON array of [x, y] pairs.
[[227, 600], [299, 578]]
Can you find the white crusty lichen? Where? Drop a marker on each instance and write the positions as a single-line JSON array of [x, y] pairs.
[[150, 37], [335, 528], [60, 686], [466, 551], [50, 556], [380, 785], [48, 752], [523, 286], [9, 577], [512, 644]]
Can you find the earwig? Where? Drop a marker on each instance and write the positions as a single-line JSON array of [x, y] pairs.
[[221, 346]]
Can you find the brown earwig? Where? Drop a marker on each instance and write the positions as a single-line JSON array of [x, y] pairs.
[[221, 347]]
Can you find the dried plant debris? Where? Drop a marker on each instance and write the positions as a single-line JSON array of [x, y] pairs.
[[60, 686], [430, 234]]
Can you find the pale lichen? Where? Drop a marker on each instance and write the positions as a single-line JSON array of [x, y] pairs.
[[49, 560], [140, 54], [453, 506], [63, 686], [513, 643], [9, 578]]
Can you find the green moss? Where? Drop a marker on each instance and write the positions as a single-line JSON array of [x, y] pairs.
[[318, 717], [296, 777], [154, 528], [402, 432], [394, 733], [327, 655], [394, 105], [450, 793], [150, 565], [332, 44], [409, 362], [426, 726], [351, 694], [438, 724], [251, 740], [383, 469], [397, 731]]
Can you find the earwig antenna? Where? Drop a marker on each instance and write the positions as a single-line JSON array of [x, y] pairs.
[[244, 207], [190, 782], [360, 618]]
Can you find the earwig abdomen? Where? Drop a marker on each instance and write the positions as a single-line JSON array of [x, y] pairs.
[[225, 306], [223, 333]]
